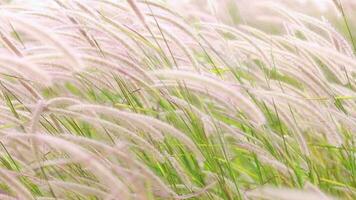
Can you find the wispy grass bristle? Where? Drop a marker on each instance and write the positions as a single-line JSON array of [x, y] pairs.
[[199, 99]]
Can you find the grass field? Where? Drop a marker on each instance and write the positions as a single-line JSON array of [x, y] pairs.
[[201, 99]]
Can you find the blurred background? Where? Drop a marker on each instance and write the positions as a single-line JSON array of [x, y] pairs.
[[256, 13]]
